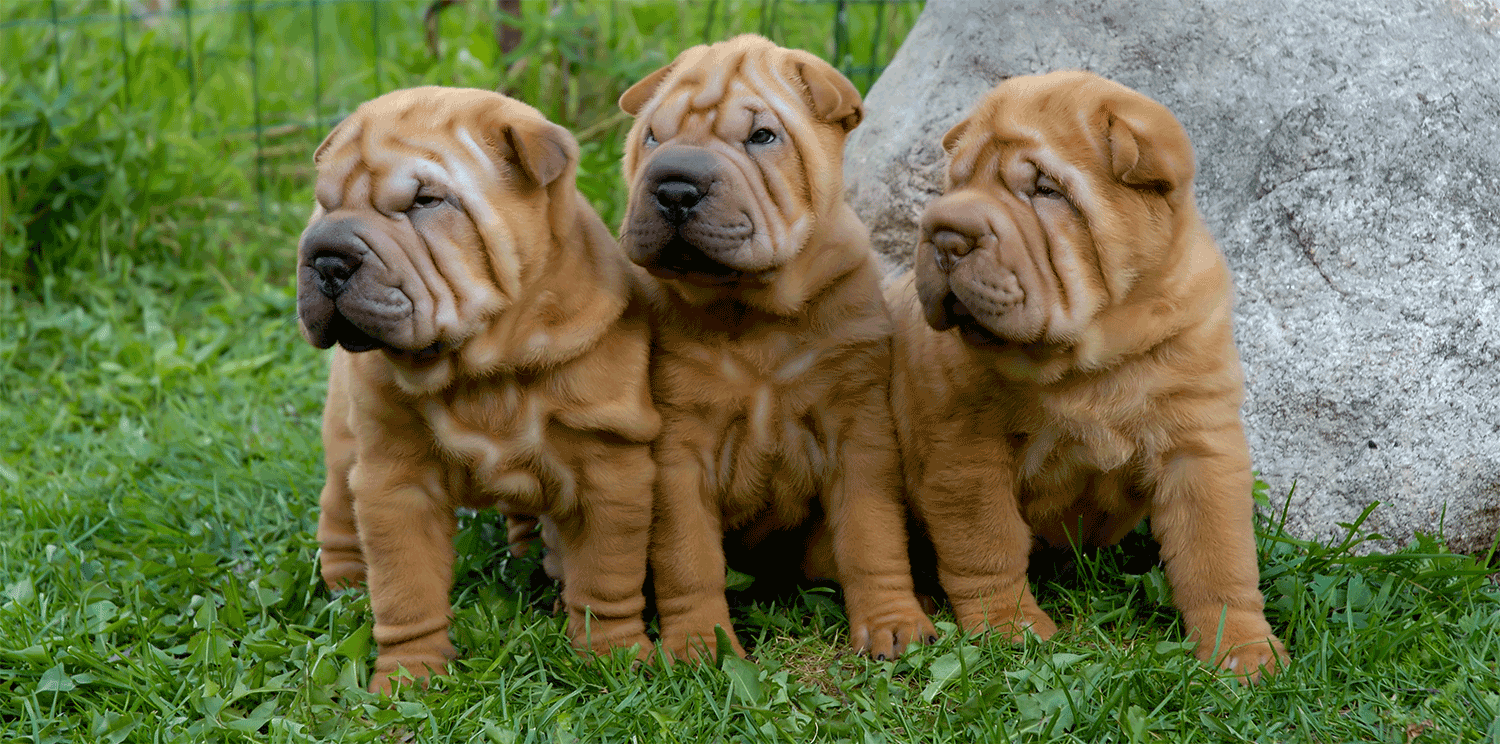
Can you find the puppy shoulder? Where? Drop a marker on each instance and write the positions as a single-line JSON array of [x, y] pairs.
[[608, 388], [381, 416]]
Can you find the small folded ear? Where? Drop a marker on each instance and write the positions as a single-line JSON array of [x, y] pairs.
[[834, 99], [634, 99], [1148, 147], [328, 141], [541, 149], [950, 140]]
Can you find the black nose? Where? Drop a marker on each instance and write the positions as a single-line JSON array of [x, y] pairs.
[[334, 271], [676, 200]]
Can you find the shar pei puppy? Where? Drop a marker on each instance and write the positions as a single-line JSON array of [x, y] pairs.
[[493, 352], [772, 352], [1065, 365]]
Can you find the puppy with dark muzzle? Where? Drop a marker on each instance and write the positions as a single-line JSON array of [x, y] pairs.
[[493, 353], [1065, 364], [772, 355]]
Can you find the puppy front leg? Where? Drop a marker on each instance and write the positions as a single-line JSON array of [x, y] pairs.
[[339, 559], [406, 527], [868, 520], [1203, 516], [687, 560], [969, 503], [604, 549]]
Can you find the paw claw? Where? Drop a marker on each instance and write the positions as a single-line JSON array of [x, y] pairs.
[[886, 636]]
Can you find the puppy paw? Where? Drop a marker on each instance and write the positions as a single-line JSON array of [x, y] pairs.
[[1250, 661], [640, 645], [699, 644], [602, 638], [886, 635], [409, 669], [342, 569], [421, 648], [1238, 641], [1012, 626]]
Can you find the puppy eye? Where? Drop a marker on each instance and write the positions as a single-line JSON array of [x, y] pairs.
[[426, 201], [650, 138], [1046, 187], [761, 137]]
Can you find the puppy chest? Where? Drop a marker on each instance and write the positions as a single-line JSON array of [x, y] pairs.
[[1061, 473], [773, 475], [501, 442], [763, 429], [1054, 453]]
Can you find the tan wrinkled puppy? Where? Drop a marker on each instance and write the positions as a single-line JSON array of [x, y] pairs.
[[1065, 364], [494, 352], [772, 356]]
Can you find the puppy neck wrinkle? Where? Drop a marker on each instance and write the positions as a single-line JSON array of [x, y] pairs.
[[576, 296]]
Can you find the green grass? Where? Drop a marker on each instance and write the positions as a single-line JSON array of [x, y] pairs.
[[160, 460], [160, 471]]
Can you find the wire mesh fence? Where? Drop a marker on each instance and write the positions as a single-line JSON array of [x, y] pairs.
[[250, 86]]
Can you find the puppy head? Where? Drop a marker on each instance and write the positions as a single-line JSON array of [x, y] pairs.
[[1065, 191], [735, 154], [432, 204]]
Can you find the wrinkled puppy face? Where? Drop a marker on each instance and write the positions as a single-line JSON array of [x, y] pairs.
[[431, 204], [735, 153], [1064, 191]]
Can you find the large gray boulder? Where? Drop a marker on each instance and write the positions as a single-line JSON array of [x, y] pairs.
[[1349, 163]]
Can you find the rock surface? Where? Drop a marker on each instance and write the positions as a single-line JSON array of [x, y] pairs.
[[1349, 164]]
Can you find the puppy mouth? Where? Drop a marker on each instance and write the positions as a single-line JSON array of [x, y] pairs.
[[680, 260], [356, 340], [421, 356], [970, 329], [351, 336]]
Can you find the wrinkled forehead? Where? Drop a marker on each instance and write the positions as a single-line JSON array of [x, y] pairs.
[[1035, 120], [383, 153], [722, 92]]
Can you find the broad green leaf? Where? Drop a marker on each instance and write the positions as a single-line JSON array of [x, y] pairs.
[[55, 679], [735, 581], [744, 679], [257, 718], [356, 645]]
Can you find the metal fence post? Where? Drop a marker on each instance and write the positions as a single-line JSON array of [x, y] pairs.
[[875, 42], [260, 147], [708, 23], [317, 62], [57, 43], [187, 25], [840, 34], [124, 57], [375, 35]]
